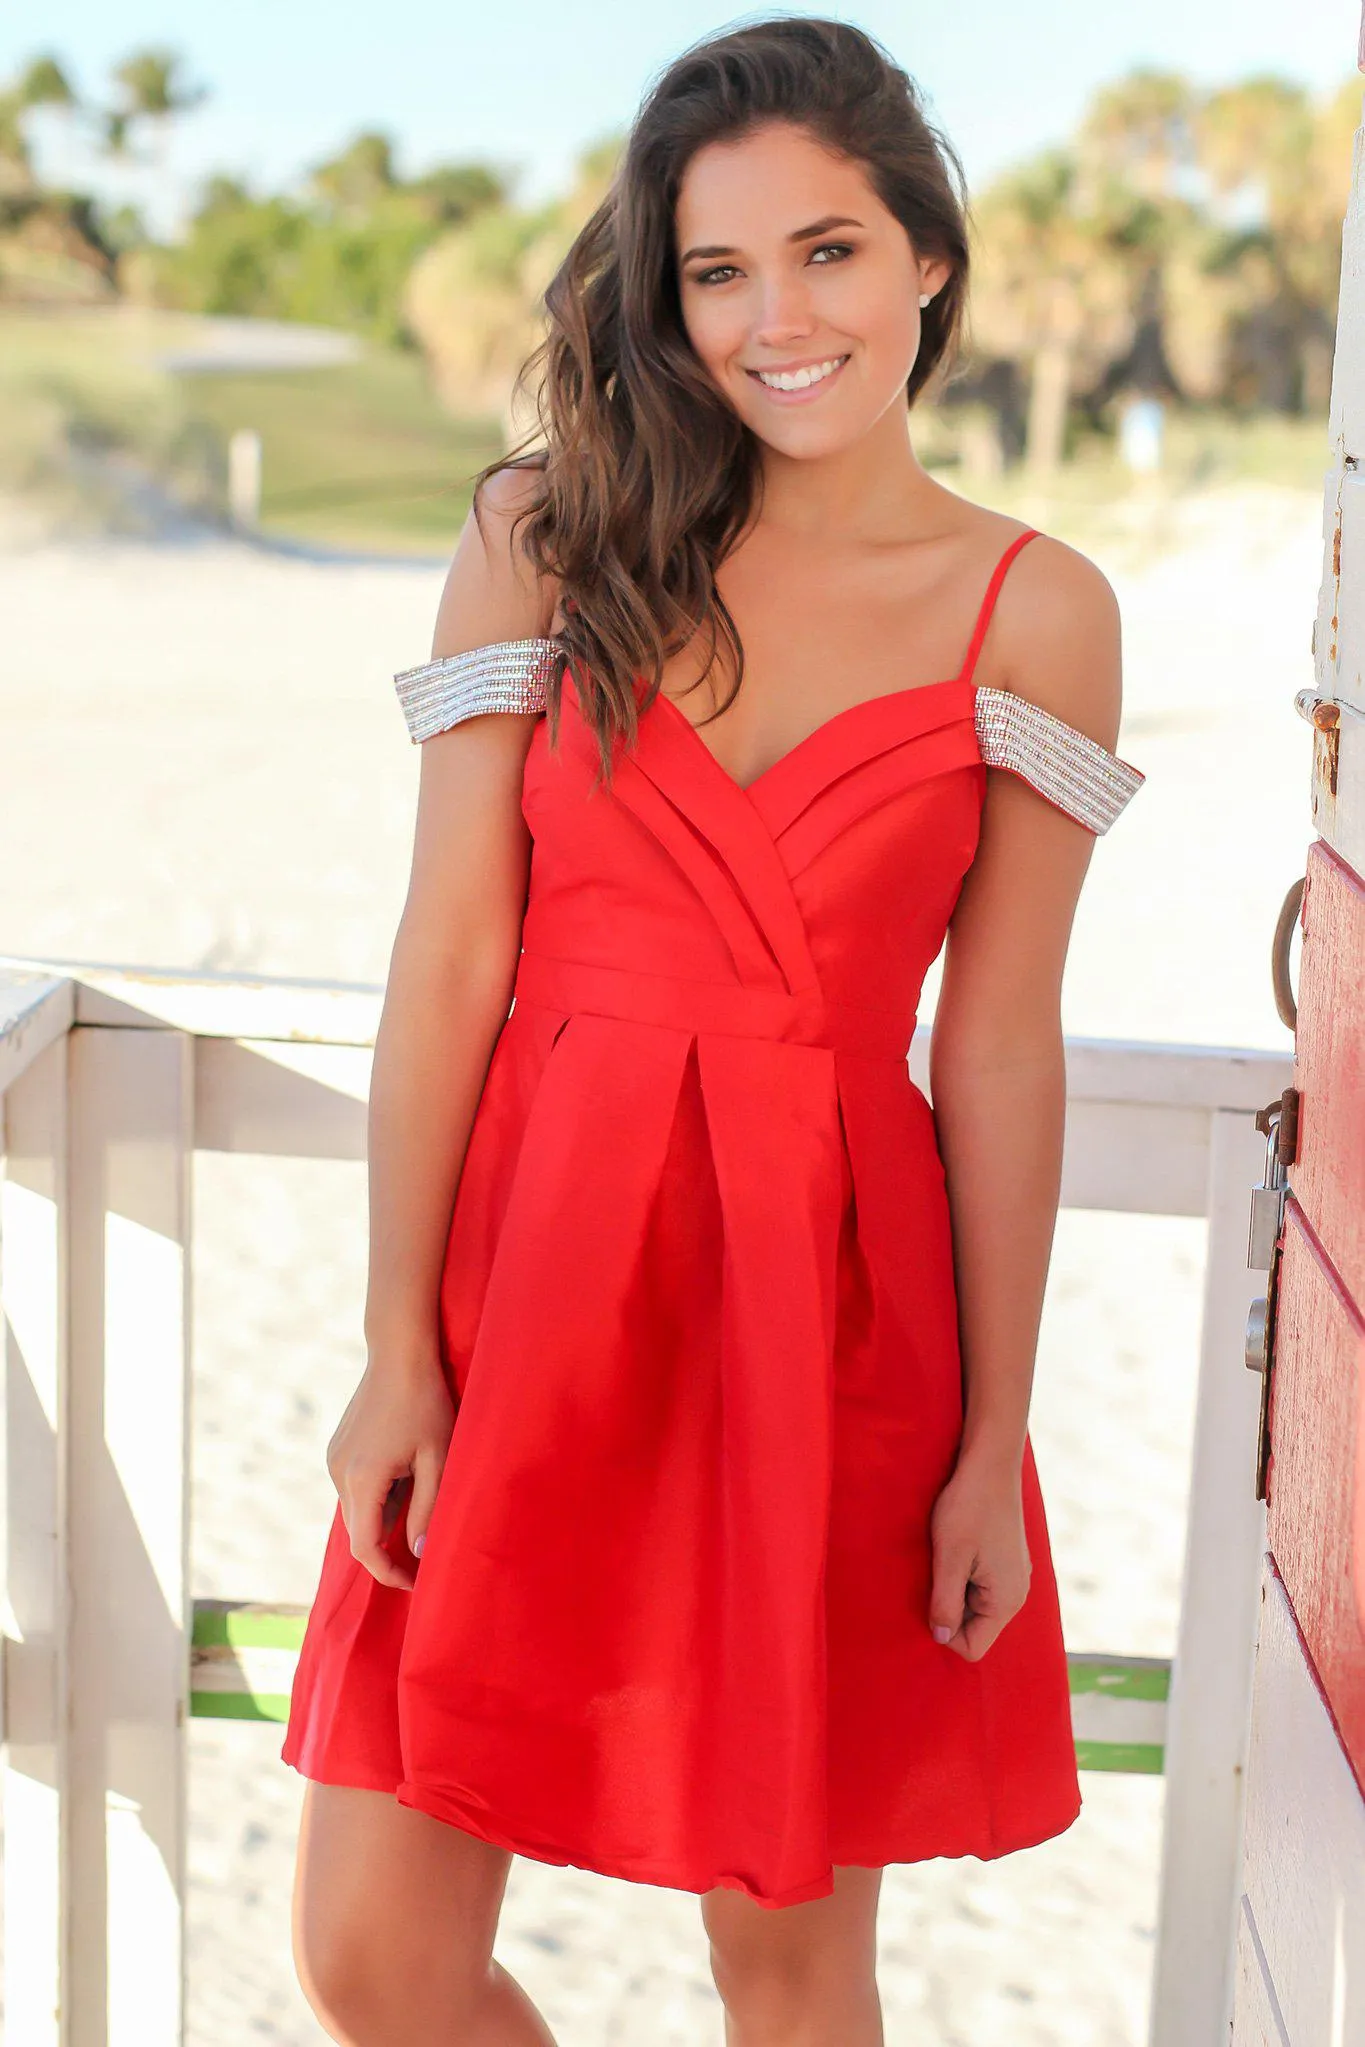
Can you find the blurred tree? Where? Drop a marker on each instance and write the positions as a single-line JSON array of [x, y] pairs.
[[1136, 152], [452, 192], [1278, 167], [240, 256], [354, 182], [362, 179], [474, 300], [339, 256], [1139, 132], [43, 83], [470, 300], [351, 273], [51, 243], [222, 194], [1186, 243], [151, 91], [1054, 284], [123, 228], [16, 171]]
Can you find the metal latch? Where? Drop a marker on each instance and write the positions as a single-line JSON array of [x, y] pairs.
[[1278, 1123]]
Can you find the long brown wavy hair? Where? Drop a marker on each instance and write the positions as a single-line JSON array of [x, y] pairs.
[[649, 476]]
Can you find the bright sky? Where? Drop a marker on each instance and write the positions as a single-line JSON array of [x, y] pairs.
[[526, 84]]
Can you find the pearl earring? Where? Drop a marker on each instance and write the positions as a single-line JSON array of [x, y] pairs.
[[924, 298]]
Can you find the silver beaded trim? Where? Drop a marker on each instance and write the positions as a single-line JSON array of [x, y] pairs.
[[505, 675], [1068, 767]]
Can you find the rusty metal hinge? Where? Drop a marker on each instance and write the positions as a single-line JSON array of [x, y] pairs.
[[1278, 1123], [1324, 715]]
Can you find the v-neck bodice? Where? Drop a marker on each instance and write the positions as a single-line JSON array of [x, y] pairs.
[[829, 879], [829, 728]]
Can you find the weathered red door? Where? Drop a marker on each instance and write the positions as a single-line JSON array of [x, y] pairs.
[[1300, 1969]]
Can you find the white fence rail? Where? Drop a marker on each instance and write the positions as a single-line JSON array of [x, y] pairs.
[[110, 1079]]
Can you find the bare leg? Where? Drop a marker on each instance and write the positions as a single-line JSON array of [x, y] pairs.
[[395, 1915], [800, 1975]]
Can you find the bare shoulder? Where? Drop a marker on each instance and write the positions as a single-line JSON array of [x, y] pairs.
[[492, 589], [1057, 640], [510, 491]]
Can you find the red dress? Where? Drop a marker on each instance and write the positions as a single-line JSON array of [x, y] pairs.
[[698, 1314]]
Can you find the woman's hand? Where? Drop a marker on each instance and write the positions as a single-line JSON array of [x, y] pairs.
[[981, 1561], [396, 1429]]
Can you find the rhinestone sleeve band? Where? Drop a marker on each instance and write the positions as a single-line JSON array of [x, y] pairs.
[[505, 675], [1066, 766]]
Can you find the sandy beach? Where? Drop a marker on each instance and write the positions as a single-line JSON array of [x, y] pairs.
[[202, 765]]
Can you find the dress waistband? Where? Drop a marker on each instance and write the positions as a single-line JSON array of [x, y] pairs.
[[723, 1009]]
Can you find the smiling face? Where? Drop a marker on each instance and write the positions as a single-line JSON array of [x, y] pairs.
[[800, 290]]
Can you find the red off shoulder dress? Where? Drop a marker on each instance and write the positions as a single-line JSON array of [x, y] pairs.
[[698, 1317]]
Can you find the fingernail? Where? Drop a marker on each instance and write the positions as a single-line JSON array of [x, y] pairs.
[[942, 1634], [419, 1545]]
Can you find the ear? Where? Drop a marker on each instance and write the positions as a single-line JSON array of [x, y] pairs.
[[934, 273]]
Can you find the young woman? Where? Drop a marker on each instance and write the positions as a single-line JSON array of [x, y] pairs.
[[699, 1347]]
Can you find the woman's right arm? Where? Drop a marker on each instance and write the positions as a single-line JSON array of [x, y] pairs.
[[449, 989]]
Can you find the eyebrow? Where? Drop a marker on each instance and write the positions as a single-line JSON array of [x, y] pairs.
[[800, 234]]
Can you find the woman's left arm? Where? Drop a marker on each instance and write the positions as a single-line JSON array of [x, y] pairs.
[[998, 1081]]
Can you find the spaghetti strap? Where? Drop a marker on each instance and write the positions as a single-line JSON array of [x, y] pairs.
[[983, 617]]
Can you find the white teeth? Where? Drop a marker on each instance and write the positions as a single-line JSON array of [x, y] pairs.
[[798, 380]]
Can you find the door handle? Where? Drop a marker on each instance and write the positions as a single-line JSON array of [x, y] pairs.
[[1286, 1003]]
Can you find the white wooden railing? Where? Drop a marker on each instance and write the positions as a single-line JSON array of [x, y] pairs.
[[110, 1079]]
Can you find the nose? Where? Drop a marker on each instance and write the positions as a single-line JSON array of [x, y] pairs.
[[785, 313]]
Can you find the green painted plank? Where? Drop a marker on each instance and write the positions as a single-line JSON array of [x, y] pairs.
[[1133, 1758], [238, 1706], [225, 1623], [1121, 1677]]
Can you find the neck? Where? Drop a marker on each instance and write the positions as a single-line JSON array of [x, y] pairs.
[[874, 490]]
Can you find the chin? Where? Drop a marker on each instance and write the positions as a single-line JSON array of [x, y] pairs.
[[810, 445]]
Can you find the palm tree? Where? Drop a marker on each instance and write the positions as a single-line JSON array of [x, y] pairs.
[[52, 240], [1278, 166], [153, 91], [474, 298], [43, 84], [1053, 289], [1140, 131]]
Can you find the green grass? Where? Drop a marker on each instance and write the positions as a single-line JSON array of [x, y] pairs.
[[75, 392], [359, 456]]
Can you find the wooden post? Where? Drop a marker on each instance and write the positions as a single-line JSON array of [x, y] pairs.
[[126, 1678], [244, 479], [33, 1338], [1208, 1716]]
